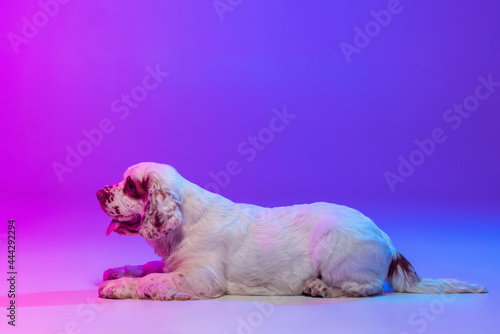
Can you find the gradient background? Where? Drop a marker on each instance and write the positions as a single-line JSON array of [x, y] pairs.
[[353, 119]]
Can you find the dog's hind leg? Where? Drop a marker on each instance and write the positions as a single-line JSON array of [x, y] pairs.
[[316, 287]]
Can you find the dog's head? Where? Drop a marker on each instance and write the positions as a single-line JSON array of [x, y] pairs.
[[147, 201]]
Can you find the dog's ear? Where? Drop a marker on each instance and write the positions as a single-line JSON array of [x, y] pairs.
[[163, 211]]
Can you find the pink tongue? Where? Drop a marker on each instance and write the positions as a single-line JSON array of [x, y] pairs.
[[114, 225]]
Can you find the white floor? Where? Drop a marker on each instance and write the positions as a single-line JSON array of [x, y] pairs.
[[62, 251]]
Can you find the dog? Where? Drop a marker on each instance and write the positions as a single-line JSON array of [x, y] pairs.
[[211, 246]]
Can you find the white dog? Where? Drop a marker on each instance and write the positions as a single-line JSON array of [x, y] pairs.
[[211, 246]]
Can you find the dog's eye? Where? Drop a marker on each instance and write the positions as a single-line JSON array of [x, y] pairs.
[[130, 188]]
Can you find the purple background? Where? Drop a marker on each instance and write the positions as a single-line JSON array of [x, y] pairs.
[[353, 118]]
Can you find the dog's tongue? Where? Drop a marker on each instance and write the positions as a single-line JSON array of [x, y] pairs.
[[114, 225]]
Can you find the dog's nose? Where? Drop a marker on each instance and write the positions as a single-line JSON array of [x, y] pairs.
[[101, 195]]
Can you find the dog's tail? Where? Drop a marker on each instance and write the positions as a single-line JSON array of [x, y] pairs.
[[403, 278]]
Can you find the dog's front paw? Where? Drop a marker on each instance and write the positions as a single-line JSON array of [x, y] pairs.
[[113, 273], [122, 288], [126, 271]]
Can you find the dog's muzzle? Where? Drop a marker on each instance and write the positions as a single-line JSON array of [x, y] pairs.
[[102, 196]]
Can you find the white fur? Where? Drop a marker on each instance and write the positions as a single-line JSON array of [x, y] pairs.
[[221, 247]]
